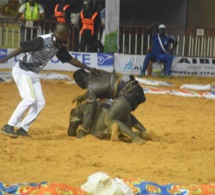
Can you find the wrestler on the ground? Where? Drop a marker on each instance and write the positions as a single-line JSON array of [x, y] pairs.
[[98, 127], [124, 90]]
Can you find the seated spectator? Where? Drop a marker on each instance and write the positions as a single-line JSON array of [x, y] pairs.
[[160, 50]]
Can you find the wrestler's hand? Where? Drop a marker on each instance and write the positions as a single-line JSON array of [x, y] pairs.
[[94, 71], [2, 61], [79, 99]]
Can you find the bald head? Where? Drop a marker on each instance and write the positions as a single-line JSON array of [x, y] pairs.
[[61, 28], [61, 33]]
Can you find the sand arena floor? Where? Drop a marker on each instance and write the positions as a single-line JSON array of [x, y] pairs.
[[185, 152]]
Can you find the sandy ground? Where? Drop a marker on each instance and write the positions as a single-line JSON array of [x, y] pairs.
[[184, 154]]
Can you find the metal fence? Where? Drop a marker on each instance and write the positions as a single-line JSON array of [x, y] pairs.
[[133, 39], [193, 42]]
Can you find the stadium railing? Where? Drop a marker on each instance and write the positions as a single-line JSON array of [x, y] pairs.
[[133, 39]]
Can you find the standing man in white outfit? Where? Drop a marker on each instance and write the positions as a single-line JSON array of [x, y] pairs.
[[37, 53]]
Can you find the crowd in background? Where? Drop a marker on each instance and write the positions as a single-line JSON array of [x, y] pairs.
[[33, 13], [87, 16]]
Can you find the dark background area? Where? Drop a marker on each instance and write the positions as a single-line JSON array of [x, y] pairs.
[[180, 13]]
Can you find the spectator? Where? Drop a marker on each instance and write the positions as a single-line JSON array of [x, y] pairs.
[[47, 25], [74, 14], [89, 23], [60, 12], [160, 50], [69, 12], [30, 13], [102, 16]]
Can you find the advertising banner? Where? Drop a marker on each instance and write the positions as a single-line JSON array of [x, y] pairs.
[[181, 66], [104, 61], [185, 66], [112, 18], [124, 64], [128, 64]]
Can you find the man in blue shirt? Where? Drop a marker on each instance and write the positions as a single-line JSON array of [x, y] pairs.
[[160, 50]]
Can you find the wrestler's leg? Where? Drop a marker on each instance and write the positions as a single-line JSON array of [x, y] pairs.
[[89, 112], [74, 121], [98, 125], [118, 110]]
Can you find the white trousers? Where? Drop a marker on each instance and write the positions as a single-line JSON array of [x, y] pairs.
[[30, 90]]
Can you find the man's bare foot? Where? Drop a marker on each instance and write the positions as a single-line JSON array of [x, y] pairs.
[[114, 132], [138, 140], [150, 135]]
